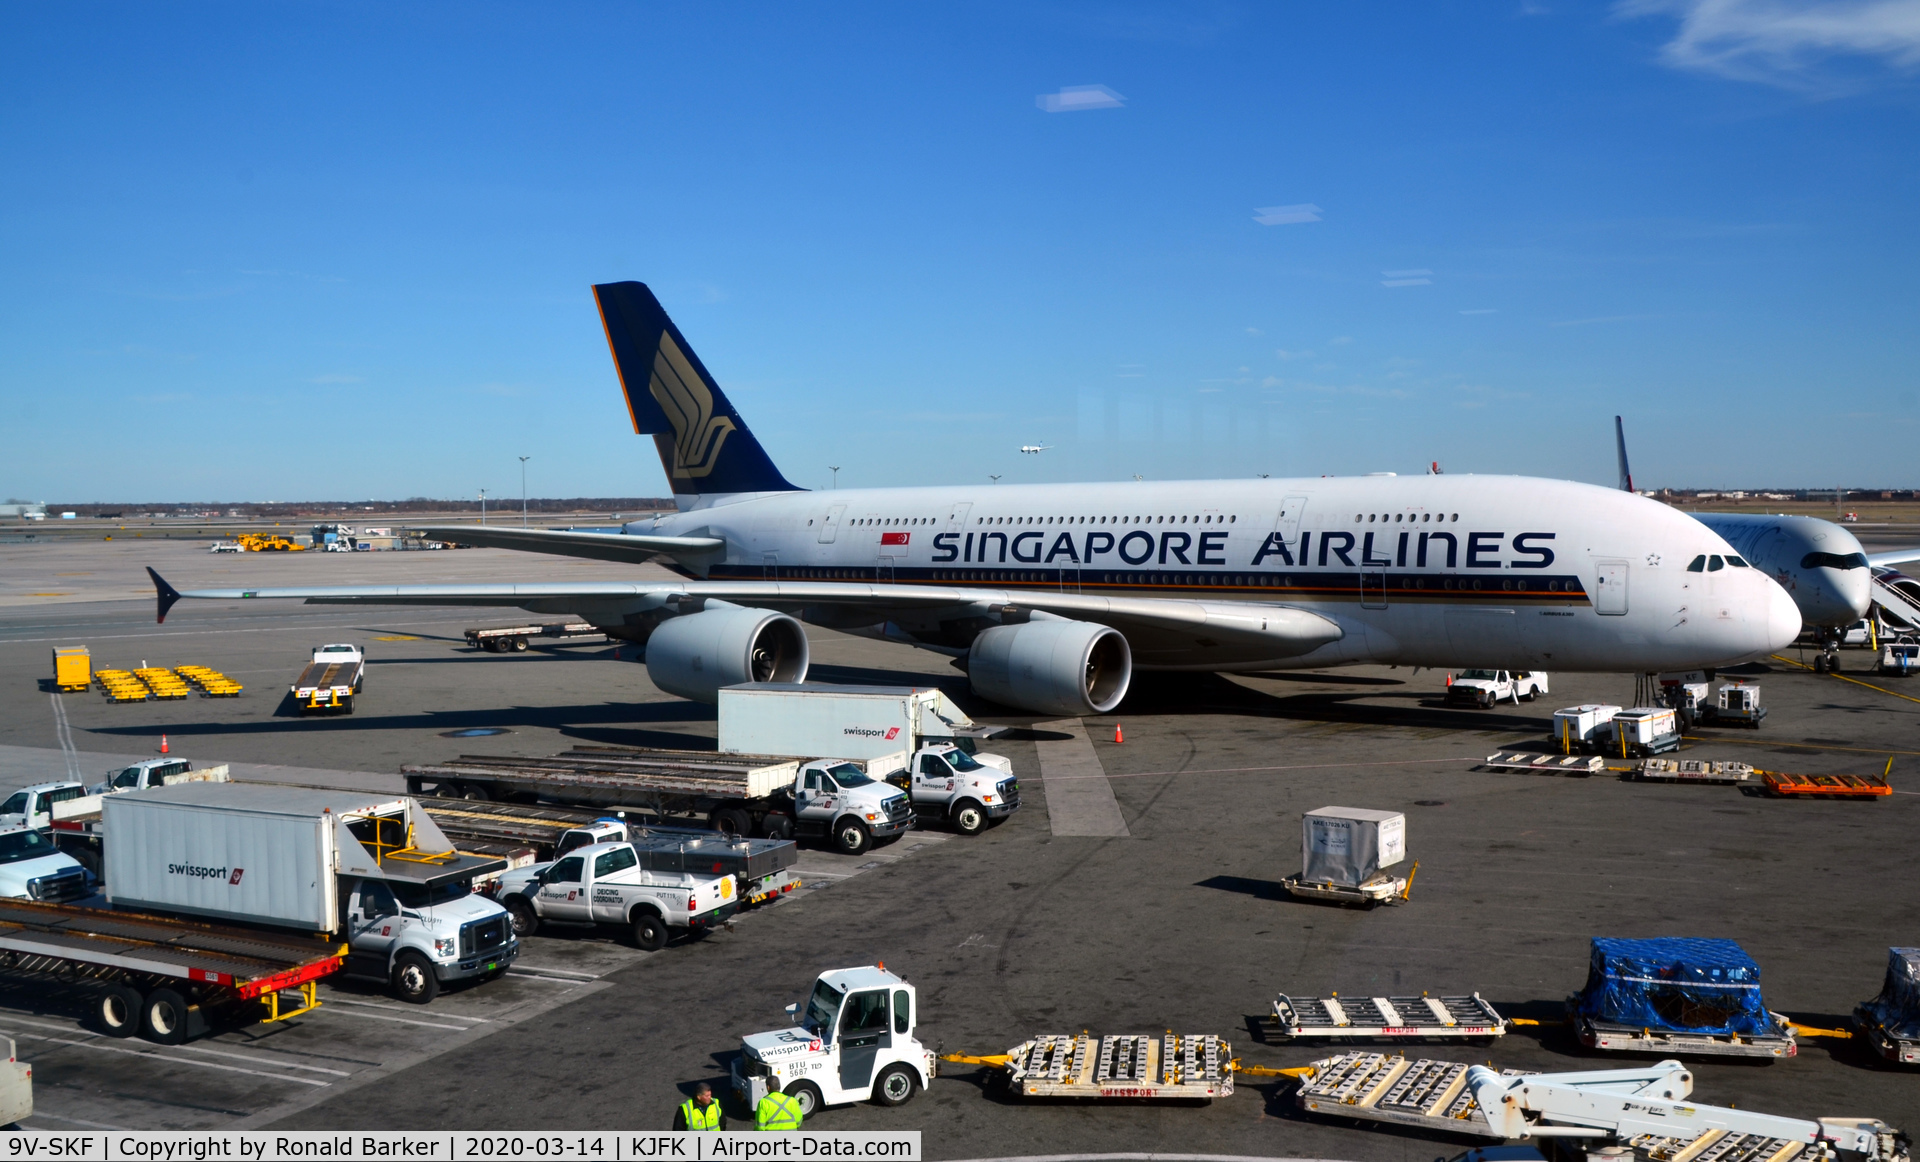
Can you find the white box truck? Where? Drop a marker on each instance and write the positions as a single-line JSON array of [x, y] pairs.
[[372, 869]]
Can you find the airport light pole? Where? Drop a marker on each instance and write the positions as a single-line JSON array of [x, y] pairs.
[[835, 469], [483, 506], [523, 490]]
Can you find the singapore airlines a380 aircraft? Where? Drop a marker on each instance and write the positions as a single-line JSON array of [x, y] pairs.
[[1050, 596]]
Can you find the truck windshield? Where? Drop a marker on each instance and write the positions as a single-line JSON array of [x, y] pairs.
[[127, 778], [848, 775], [17, 805], [960, 760], [426, 896], [822, 1008], [18, 845], [1477, 675]]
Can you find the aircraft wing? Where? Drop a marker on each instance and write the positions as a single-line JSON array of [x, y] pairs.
[[629, 547], [1896, 557], [1269, 630]]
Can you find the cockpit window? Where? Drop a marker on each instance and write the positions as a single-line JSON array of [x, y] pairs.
[[1735, 561], [1698, 564], [1715, 564], [1834, 561]]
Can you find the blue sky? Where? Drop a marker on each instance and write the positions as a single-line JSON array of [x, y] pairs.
[[297, 251]]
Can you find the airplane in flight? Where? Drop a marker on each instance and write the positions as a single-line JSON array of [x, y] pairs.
[[1821, 565], [1050, 596], [1036, 449]]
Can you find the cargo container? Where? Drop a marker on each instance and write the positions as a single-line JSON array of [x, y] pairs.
[[1645, 730], [1583, 727], [72, 668], [1343, 851]]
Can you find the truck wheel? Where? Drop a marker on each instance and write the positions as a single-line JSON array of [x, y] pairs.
[[969, 818], [777, 825], [163, 1019], [650, 932], [413, 979], [519, 645], [895, 1087], [851, 837], [806, 1095], [473, 791], [524, 919], [117, 1011], [732, 822]]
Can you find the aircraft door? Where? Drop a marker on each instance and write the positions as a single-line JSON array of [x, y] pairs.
[[772, 563], [1291, 509], [830, 526], [1611, 594], [1373, 589]]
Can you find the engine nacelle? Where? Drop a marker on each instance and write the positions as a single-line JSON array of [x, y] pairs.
[[1052, 666], [696, 654]]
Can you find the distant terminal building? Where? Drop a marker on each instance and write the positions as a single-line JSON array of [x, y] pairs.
[[23, 509]]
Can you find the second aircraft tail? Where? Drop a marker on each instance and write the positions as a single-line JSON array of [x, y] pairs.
[[704, 445]]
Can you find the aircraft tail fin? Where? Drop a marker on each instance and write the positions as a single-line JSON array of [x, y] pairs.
[[704, 445], [1620, 443]]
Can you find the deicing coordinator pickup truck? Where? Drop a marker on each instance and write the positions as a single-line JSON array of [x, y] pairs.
[[1483, 688], [603, 884], [853, 1042]]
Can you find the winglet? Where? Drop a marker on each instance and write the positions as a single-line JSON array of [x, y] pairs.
[[165, 592]]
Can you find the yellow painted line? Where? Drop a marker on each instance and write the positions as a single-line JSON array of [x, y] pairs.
[[397, 637], [1855, 681]]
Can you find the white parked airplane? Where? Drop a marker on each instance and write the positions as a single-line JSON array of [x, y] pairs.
[[1820, 564], [1049, 596]]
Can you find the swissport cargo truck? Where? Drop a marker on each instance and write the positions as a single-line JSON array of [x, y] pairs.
[[762, 795], [370, 870], [846, 722]]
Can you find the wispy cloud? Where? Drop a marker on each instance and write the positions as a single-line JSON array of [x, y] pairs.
[[1132, 371], [1080, 99], [1287, 215], [336, 379], [1597, 319], [1253, 330], [1285, 354], [1482, 311], [1781, 41], [1479, 395], [1340, 340], [1405, 278]]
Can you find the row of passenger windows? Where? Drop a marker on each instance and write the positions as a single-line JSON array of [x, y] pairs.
[[1106, 520], [1222, 580], [1410, 518], [1713, 564]]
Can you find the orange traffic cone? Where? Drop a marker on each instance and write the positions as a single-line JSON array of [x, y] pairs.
[[1117, 736], [163, 744]]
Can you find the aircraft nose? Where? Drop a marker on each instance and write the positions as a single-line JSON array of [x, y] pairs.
[[1783, 618], [1855, 587]]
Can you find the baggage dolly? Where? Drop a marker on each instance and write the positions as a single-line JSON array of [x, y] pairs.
[[1195, 1067], [1421, 1018]]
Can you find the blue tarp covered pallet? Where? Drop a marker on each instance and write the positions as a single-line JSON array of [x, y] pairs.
[[1892, 1019], [1675, 984]]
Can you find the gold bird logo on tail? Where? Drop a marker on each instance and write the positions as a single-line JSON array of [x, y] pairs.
[[697, 432]]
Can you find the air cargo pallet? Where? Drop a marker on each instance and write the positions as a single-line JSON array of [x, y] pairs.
[[510, 638], [1613, 1038], [1825, 786], [1884, 1043], [1124, 1066], [1381, 889], [1545, 764], [1692, 771], [1418, 1018], [1432, 1095]]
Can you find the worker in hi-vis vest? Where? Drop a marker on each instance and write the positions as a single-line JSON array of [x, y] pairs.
[[700, 1112], [776, 1111]]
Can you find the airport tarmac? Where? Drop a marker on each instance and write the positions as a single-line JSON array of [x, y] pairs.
[[1168, 915]]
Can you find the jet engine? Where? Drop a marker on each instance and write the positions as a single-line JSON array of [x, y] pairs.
[[695, 654], [1051, 666]]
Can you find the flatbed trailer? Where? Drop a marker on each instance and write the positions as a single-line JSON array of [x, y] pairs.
[[1545, 764], [666, 784], [168, 979], [1376, 1087], [760, 866], [1135, 1067], [1692, 771], [1825, 786], [330, 683], [501, 639], [1612, 1038], [1421, 1018]]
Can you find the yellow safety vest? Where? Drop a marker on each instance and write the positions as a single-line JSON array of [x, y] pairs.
[[698, 1118], [777, 1111]]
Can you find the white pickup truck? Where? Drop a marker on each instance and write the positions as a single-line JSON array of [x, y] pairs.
[[33, 806], [854, 1042], [1483, 688], [150, 773], [32, 868], [603, 884]]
